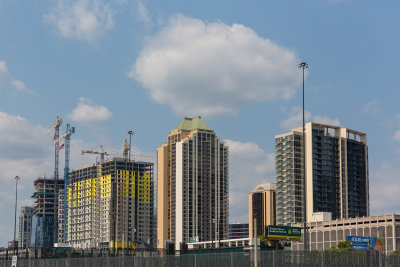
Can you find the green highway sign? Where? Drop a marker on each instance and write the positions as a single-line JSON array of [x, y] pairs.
[[278, 232]]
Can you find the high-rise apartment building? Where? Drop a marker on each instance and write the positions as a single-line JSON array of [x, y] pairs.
[[262, 208], [45, 209], [192, 185], [111, 205], [336, 170], [25, 227]]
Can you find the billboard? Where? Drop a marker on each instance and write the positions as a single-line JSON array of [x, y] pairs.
[[364, 242], [277, 232]]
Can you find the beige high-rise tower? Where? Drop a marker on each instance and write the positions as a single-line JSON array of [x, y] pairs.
[[262, 208], [193, 194]]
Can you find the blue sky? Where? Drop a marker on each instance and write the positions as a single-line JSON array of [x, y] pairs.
[[112, 66]]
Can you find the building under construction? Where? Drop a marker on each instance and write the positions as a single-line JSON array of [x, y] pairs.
[[111, 205], [46, 210]]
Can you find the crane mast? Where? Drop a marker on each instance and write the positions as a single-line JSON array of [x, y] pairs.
[[56, 130], [67, 136]]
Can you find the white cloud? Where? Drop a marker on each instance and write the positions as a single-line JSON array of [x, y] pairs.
[[25, 151], [325, 120], [19, 139], [395, 123], [384, 189], [396, 136], [142, 11], [249, 166], [204, 68], [295, 119], [371, 107], [81, 19], [8, 81], [87, 112]]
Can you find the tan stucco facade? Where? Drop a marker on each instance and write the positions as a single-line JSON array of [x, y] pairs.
[[162, 195], [265, 209]]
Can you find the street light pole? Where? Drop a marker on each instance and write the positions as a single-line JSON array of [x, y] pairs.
[[15, 212], [303, 66], [212, 233]]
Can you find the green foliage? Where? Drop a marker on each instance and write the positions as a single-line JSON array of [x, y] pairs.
[[342, 246], [396, 253], [263, 240]]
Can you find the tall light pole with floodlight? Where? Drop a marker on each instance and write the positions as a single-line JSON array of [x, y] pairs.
[[15, 213], [303, 66]]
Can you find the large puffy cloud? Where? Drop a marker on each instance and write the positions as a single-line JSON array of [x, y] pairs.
[[87, 112], [384, 189], [19, 139], [295, 119], [8, 81], [25, 151], [81, 19], [249, 166], [197, 67]]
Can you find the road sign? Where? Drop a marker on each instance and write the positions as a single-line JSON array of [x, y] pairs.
[[278, 232], [365, 242]]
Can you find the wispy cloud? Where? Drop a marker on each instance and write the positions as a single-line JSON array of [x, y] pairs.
[[201, 68], [87, 112], [142, 11], [8, 81], [371, 107], [295, 119], [81, 19]]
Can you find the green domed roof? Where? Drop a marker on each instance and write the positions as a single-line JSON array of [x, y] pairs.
[[190, 124]]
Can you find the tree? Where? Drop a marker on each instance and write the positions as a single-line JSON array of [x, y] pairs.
[[396, 252], [341, 247], [263, 240], [344, 245]]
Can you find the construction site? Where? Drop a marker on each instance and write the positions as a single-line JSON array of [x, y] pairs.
[[46, 211], [109, 204]]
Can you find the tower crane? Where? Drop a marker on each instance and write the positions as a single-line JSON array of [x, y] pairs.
[[102, 153], [67, 136], [56, 130], [68, 133]]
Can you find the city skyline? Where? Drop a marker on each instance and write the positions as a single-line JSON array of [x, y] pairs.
[[89, 62]]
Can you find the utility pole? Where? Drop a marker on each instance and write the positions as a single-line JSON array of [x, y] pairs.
[[212, 233], [304, 65], [255, 244], [15, 213]]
